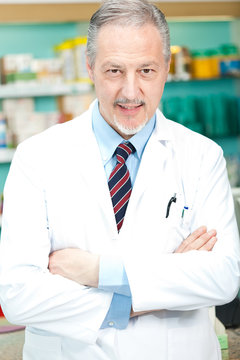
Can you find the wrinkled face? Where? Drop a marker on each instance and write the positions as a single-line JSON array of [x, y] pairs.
[[129, 74]]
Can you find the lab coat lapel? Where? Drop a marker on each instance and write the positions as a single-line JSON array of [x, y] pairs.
[[94, 174], [150, 174]]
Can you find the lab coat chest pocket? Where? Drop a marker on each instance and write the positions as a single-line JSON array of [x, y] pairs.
[[176, 227], [161, 234]]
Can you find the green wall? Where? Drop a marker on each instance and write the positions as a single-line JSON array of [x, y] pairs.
[[37, 39], [200, 34]]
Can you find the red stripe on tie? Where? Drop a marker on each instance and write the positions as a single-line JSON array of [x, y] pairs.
[[122, 202], [126, 148], [119, 225], [115, 170], [119, 184], [120, 159]]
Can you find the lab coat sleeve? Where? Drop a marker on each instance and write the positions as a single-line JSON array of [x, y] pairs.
[[194, 279], [29, 294], [112, 276]]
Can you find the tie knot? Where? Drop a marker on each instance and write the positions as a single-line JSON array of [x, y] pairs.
[[123, 151]]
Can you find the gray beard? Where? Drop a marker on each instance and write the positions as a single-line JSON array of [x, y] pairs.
[[127, 130]]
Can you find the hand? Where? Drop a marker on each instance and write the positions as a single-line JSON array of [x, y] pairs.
[[139, 313], [200, 239], [75, 264]]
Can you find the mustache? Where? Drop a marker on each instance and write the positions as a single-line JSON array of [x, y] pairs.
[[126, 101]]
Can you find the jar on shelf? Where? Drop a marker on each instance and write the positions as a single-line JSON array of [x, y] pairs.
[[201, 65], [65, 51], [214, 60], [80, 44]]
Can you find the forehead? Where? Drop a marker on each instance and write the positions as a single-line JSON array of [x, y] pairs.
[[129, 43]]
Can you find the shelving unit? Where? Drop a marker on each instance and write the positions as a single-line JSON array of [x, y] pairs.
[[214, 86], [77, 10], [35, 90]]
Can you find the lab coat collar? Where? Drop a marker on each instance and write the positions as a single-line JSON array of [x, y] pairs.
[[162, 130]]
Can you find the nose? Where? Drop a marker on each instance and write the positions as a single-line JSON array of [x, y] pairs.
[[130, 87]]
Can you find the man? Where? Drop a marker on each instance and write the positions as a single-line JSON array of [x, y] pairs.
[[112, 197]]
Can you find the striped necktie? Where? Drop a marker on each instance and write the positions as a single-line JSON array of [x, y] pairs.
[[119, 182]]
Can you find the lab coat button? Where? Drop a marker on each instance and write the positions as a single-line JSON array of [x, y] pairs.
[[110, 323]]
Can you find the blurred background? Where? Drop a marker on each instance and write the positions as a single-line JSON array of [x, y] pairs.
[[43, 78]]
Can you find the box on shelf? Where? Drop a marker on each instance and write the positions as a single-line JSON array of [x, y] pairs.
[[16, 68], [23, 121], [48, 71], [74, 105], [21, 69]]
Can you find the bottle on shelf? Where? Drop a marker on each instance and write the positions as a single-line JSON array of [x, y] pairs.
[[3, 132]]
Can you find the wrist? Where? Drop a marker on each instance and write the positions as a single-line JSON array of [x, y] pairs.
[[94, 279]]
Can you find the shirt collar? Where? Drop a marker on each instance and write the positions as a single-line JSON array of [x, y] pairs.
[[108, 139]]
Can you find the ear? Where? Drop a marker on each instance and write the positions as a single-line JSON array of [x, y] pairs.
[[167, 69], [168, 65], [89, 69]]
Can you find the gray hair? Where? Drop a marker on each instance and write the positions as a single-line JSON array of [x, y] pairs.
[[127, 13]]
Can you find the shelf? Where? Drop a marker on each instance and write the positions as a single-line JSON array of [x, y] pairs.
[[64, 11], [223, 86], [6, 155], [19, 91]]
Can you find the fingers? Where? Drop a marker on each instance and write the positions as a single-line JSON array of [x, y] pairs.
[[200, 239], [191, 238], [208, 246]]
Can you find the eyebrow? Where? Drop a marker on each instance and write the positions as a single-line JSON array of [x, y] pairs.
[[153, 63], [116, 66]]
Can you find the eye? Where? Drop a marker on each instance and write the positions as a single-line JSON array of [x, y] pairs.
[[146, 71], [113, 72]]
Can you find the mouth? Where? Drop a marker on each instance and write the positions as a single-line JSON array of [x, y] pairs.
[[129, 110], [130, 107]]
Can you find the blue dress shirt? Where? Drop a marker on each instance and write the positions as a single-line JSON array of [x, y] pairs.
[[112, 271]]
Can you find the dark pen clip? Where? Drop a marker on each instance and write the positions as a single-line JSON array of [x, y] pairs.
[[173, 199]]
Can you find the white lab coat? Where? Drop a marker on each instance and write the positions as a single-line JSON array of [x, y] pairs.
[[56, 196]]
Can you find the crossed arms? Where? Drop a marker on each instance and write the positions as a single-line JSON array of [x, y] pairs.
[[83, 267]]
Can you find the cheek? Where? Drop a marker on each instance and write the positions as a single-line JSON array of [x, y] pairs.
[[154, 94], [105, 90]]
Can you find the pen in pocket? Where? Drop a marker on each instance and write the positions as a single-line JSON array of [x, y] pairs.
[[173, 199], [184, 210]]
